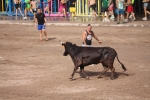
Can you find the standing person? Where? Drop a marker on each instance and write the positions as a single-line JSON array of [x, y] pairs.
[[62, 8], [72, 8], [129, 10], [27, 8], [105, 9], [87, 36], [111, 9], [48, 7], [17, 6], [145, 4], [7, 4], [34, 8], [92, 4], [120, 11], [40, 23]]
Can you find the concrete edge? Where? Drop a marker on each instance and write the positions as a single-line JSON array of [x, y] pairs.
[[77, 24]]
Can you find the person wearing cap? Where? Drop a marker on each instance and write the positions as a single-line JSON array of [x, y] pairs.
[[87, 36]]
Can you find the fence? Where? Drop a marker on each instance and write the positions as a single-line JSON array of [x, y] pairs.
[[82, 7]]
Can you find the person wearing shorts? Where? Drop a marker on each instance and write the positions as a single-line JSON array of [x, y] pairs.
[[27, 8], [104, 8], [145, 5], [92, 4], [72, 8], [48, 7], [40, 23], [17, 6], [120, 11], [129, 10], [111, 9], [34, 8]]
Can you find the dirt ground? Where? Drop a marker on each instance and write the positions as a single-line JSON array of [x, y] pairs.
[[34, 70]]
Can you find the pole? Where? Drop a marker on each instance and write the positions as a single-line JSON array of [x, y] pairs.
[[10, 8], [2, 5]]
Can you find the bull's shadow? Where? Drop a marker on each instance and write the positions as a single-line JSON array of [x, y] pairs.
[[107, 74], [52, 38]]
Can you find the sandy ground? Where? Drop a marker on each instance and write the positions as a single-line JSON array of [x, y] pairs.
[[34, 70]]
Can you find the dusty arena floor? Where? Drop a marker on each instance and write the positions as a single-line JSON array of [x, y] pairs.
[[34, 70]]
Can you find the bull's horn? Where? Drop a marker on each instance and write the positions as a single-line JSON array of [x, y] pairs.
[[61, 42]]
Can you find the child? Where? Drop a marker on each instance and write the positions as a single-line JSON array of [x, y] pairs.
[[129, 10], [111, 9], [72, 8], [120, 11]]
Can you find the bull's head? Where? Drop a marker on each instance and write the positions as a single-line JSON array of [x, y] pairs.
[[64, 45]]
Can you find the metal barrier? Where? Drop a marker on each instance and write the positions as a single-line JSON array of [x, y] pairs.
[[82, 7], [54, 6]]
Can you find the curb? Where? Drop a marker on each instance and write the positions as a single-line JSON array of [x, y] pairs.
[[77, 24]]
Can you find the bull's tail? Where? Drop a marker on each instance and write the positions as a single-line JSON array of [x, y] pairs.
[[123, 67]]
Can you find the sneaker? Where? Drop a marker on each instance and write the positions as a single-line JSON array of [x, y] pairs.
[[118, 22], [126, 20], [24, 18], [145, 18], [123, 22], [112, 17], [130, 16], [134, 19], [107, 20]]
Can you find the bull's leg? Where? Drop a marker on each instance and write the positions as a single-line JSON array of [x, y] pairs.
[[74, 70], [81, 68], [103, 72], [112, 72], [86, 76]]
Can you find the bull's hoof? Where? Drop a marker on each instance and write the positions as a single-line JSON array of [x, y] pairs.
[[87, 78], [99, 77]]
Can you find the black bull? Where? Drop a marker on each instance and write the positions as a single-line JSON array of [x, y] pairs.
[[84, 56]]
